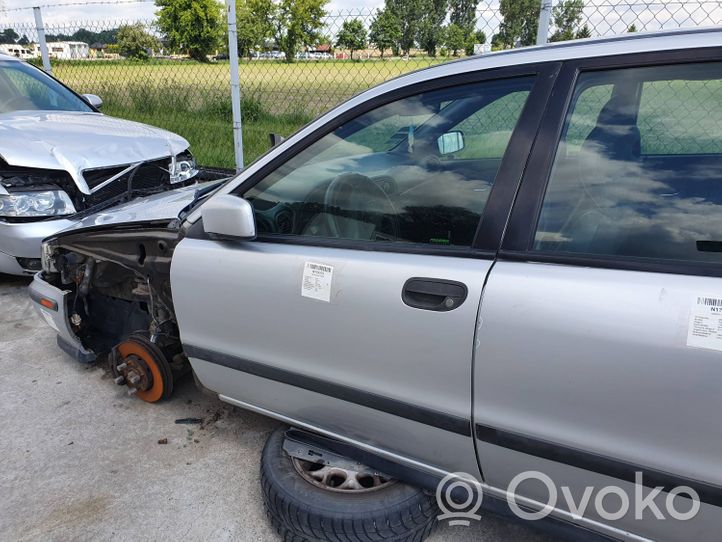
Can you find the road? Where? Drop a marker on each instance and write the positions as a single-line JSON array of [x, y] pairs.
[[81, 460]]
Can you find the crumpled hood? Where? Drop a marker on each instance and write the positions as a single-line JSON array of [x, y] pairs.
[[163, 206], [74, 141]]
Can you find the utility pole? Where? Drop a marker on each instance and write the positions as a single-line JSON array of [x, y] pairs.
[[41, 39], [545, 16], [235, 83]]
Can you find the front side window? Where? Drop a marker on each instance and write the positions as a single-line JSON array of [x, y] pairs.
[[638, 170], [25, 88], [418, 170]]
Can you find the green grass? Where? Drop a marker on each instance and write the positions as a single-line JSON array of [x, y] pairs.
[[193, 99]]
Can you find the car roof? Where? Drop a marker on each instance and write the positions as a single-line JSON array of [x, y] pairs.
[[4, 56], [638, 42]]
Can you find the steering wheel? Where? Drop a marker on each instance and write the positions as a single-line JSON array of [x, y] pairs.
[[352, 202]]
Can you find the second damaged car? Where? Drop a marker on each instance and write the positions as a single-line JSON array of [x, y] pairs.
[[61, 160]]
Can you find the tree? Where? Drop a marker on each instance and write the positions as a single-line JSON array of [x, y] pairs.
[[408, 13], [584, 32], [135, 42], [8, 36], [88, 36], [463, 14], [476, 37], [519, 24], [455, 38], [193, 26], [352, 36], [298, 23], [24, 40], [431, 25], [254, 22], [632, 28], [385, 31], [567, 17]]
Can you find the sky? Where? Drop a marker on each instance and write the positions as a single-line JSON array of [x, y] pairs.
[[605, 17], [119, 11]]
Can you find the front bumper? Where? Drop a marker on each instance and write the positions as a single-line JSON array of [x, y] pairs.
[[51, 303], [23, 240]]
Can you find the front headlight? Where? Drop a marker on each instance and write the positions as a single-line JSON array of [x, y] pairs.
[[47, 258], [182, 167], [36, 203]]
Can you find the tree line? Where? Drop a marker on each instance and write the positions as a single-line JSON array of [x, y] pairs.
[[197, 28]]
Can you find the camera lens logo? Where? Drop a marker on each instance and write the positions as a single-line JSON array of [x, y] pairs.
[[459, 497]]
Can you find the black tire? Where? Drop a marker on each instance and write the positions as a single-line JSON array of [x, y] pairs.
[[303, 512]]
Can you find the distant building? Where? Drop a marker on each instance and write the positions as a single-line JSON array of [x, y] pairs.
[[21, 51], [482, 48], [68, 50]]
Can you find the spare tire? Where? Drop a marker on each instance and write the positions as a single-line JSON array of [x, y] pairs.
[[310, 502]]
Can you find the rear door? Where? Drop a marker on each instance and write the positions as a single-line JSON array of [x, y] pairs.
[[600, 352], [354, 311]]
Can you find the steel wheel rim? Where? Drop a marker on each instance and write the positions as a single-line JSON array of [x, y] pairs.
[[338, 479]]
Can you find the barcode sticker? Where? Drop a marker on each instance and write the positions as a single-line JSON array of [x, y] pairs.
[[316, 281], [705, 323]]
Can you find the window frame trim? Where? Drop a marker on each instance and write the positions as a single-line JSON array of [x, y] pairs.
[[519, 236], [489, 229]]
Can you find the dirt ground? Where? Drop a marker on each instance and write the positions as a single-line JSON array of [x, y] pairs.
[[81, 460]]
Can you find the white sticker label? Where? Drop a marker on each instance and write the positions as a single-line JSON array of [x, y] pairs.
[[49, 319], [705, 323], [316, 281]]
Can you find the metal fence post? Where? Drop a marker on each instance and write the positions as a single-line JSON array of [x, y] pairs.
[[235, 83], [41, 39], [545, 15]]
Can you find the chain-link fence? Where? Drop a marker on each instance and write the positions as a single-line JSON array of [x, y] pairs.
[[141, 75]]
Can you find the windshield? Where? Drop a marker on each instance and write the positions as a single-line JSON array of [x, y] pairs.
[[26, 88]]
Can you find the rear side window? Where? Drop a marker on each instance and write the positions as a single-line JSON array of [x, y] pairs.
[[681, 117], [638, 169]]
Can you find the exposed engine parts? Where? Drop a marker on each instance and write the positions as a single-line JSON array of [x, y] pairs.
[[121, 305]]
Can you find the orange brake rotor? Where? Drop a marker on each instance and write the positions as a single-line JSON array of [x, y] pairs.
[[155, 392]]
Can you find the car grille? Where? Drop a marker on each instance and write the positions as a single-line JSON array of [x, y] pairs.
[[149, 178]]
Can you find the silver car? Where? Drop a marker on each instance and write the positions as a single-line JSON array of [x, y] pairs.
[[61, 159], [508, 266]]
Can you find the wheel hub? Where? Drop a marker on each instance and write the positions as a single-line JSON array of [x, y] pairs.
[[135, 373]]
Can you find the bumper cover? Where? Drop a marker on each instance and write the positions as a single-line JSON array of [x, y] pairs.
[[51, 303], [23, 240]]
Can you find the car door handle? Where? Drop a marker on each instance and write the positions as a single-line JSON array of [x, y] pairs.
[[433, 294]]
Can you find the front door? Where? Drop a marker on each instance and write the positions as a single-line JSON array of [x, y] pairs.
[[354, 312], [601, 341]]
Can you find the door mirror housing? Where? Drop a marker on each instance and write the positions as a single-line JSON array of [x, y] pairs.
[[93, 100], [450, 142], [229, 216], [276, 139]]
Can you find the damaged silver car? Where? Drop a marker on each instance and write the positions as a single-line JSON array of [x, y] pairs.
[[505, 265], [61, 159]]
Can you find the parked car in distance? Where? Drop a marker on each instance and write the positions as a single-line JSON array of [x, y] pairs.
[[503, 265], [61, 159]]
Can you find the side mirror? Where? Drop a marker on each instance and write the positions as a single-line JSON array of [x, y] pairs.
[[450, 142], [276, 139], [93, 100], [230, 217]]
